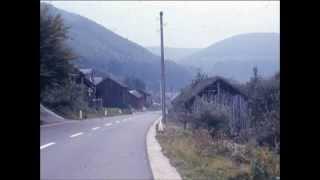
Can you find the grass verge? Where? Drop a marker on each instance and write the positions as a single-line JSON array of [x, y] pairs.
[[196, 156]]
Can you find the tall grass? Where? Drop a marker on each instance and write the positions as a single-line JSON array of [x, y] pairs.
[[196, 156]]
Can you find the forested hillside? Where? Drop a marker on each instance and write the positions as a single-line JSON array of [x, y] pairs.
[[235, 57], [174, 54], [106, 52]]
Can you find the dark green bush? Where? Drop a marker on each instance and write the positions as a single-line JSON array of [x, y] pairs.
[[214, 118]]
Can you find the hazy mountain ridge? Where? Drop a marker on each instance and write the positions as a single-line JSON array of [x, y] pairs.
[[235, 57], [174, 54], [107, 52]]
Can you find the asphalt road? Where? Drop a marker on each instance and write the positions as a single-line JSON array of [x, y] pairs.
[[103, 148]]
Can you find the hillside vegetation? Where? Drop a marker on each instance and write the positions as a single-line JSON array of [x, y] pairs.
[[106, 52], [174, 54], [57, 91], [235, 57]]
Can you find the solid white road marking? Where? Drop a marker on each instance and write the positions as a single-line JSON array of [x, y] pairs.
[[47, 145], [77, 134], [108, 124], [95, 128]]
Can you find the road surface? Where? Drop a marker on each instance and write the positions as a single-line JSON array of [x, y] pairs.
[[103, 148]]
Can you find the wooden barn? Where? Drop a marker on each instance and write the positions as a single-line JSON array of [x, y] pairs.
[[113, 93], [215, 90], [136, 99], [147, 101]]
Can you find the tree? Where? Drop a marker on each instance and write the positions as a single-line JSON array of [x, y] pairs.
[[264, 105], [67, 100], [199, 77], [57, 90], [54, 55]]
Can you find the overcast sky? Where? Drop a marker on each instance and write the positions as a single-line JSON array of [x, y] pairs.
[[189, 24]]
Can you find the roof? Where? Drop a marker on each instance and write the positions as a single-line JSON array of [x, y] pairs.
[[135, 93], [97, 80], [143, 92], [86, 71], [115, 79], [112, 78], [88, 83], [193, 90]]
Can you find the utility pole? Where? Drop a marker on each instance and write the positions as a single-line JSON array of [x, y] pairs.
[[163, 83]]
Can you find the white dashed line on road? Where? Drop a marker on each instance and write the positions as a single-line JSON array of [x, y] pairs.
[[108, 124], [95, 128], [117, 122], [77, 134], [47, 145]]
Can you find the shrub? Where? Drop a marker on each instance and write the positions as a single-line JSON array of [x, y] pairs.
[[265, 165], [67, 100], [241, 176], [214, 118], [264, 105]]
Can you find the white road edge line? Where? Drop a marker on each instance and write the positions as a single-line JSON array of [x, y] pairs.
[[95, 128], [108, 124], [77, 134], [47, 145]]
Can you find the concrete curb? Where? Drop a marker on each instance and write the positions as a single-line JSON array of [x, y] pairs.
[[48, 112], [160, 165]]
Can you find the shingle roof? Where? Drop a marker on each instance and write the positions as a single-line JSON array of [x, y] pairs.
[[193, 90]]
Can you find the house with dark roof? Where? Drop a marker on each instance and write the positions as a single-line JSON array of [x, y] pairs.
[[147, 101], [86, 77], [97, 80], [218, 91], [113, 92], [88, 73], [136, 99]]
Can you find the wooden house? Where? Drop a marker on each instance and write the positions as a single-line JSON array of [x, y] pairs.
[[136, 99], [147, 101], [113, 93], [215, 90], [86, 78]]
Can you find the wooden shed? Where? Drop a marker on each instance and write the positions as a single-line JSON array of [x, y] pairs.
[[113, 93], [147, 101], [136, 99], [215, 90]]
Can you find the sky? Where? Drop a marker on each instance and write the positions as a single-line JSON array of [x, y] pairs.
[[188, 24]]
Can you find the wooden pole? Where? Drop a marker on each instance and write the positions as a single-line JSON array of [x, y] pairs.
[[163, 84]]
